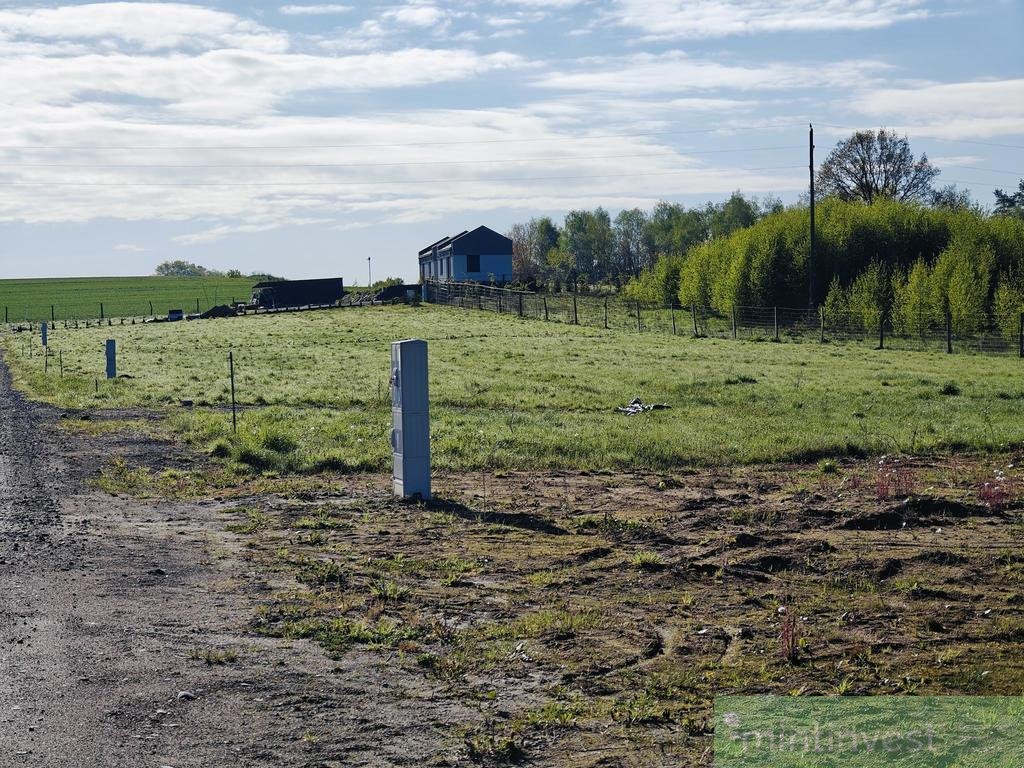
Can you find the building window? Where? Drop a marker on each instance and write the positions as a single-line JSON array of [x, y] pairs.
[[473, 263]]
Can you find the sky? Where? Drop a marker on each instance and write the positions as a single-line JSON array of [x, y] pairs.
[[302, 138]]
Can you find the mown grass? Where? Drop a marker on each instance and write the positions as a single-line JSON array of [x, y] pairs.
[[511, 393], [80, 297]]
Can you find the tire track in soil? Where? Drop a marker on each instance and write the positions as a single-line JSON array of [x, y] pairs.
[[103, 598]]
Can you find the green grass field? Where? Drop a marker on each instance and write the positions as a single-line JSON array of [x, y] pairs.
[[80, 297], [511, 393]]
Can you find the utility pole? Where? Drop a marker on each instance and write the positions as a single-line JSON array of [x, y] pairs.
[[810, 255], [369, 273]]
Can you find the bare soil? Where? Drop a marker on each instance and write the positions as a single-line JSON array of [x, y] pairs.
[[551, 619], [125, 633]]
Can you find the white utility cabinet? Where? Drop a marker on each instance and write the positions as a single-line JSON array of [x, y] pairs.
[[410, 419]]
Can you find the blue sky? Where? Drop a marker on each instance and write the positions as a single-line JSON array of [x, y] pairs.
[[300, 138]]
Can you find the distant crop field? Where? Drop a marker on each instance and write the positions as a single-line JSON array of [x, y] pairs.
[[81, 297], [508, 393]]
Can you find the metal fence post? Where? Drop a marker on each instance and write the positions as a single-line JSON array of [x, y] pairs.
[[520, 305], [672, 309], [881, 331], [545, 298], [821, 317], [949, 332], [606, 313], [775, 317], [734, 321], [693, 314], [53, 314], [639, 326], [101, 310], [575, 314], [231, 371]]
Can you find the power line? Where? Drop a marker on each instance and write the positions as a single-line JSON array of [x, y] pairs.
[[678, 172], [549, 159], [101, 147], [942, 138]]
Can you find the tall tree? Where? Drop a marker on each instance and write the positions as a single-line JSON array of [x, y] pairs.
[[632, 243], [1010, 203], [873, 164]]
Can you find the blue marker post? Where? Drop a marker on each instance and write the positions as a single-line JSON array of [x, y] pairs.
[[42, 332], [111, 359]]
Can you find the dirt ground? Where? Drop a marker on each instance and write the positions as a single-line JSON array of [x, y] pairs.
[[126, 631], [549, 619]]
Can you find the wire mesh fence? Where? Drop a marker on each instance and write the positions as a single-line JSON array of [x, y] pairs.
[[967, 332]]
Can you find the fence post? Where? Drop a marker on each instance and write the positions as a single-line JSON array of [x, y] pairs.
[[734, 321], [197, 306], [821, 316], [672, 308], [545, 308], [101, 310], [5, 315], [775, 318], [499, 302], [949, 332], [60, 361], [693, 314], [53, 314], [1020, 336], [575, 315], [520, 305], [881, 331], [639, 327], [606, 313], [231, 371]]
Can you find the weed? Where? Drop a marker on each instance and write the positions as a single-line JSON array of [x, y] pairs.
[[893, 479], [950, 388], [214, 656], [789, 638], [648, 561], [388, 591], [255, 521], [641, 708], [828, 467]]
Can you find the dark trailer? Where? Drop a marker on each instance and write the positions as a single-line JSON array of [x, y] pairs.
[[298, 293]]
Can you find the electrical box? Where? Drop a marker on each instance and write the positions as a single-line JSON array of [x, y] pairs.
[[111, 359], [410, 419]]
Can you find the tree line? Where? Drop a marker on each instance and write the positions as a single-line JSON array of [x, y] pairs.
[[889, 245], [591, 249], [181, 268]]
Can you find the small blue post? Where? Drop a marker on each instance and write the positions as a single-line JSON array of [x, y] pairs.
[[42, 332], [111, 359]]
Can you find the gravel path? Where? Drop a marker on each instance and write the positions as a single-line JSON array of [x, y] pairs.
[[104, 602]]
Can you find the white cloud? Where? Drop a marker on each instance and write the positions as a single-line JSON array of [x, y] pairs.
[[694, 19], [949, 110], [674, 72], [328, 9], [417, 15], [129, 248], [148, 26], [229, 84]]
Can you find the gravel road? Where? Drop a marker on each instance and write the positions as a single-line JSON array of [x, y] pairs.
[[104, 602]]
